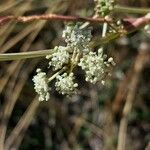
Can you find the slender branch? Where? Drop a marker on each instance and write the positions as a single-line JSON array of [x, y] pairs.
[[23, 19], [135, 10], [51, 17], [141, 60], [24, 55], [122, 91], [22, 125], [56, 74], [117, 8]]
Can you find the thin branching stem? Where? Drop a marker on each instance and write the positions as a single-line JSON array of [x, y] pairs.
[[141, 60], [133, 10], [56, 17], [56, 74], [25, 55]]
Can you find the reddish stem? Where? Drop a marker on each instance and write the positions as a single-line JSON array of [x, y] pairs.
[[130, 24]]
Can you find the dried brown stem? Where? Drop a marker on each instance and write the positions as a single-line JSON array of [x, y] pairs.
[[121, 93], [22, 125], [142, 58]]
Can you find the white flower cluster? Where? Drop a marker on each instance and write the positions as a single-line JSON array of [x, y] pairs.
[[104, 7], [95, 66], [59, 58], [65, 83], [77, 37], [77, 52], [41, 85]]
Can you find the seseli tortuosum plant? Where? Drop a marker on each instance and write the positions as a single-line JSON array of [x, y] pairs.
[[80, 46], [77, 52], [83, 49]]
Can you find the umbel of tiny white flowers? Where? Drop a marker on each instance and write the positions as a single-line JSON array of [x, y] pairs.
[[41, 85], [77, 38], [59, 58], [65, 83], [95, 66]]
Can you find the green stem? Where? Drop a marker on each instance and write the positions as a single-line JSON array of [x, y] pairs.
[[56, 74], [100, 41], [104, 31], [25, 55], [131, 10]]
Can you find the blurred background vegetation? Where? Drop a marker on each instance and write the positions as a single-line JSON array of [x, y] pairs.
[[87, 121]]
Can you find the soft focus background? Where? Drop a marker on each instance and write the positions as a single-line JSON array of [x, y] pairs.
[[89, 120]]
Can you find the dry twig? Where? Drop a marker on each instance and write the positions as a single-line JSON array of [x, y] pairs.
[[142, 58]]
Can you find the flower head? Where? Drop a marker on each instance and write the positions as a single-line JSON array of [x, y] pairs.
[[94, 66], [65, 84], [104, 7], [59, 58], [41, 85], [77, 37]]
